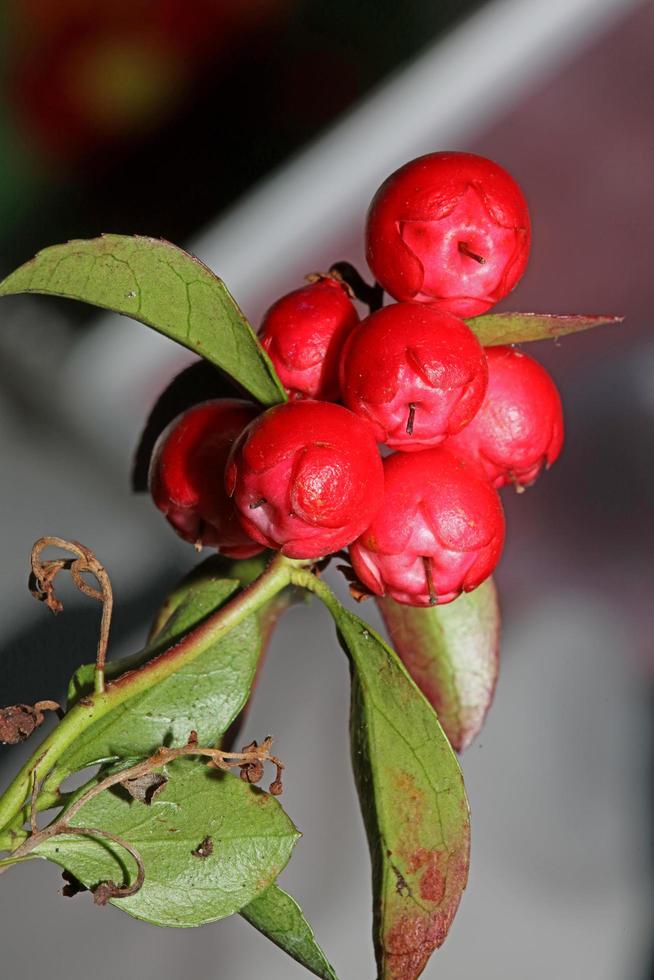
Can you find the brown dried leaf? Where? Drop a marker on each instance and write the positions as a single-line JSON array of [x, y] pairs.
[[145, 788]]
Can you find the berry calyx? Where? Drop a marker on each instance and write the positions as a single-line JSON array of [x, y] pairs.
[[449, 229], [519, 428], [439, 531], [187, 475], [303, 333], [415, 373], [306, 478]]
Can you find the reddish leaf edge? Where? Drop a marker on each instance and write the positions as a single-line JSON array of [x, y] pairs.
[[552, 325]]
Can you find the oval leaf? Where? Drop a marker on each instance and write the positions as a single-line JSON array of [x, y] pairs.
[[492, 329], [246, 570], [251, 837], [452, 653], [279, 917], [162, 286], [413, 802], [204, 695]]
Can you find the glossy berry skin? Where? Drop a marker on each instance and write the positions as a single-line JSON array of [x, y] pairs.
[[439, 531], [303, 334], [187, 475], [306, 478], [416, 374], [450, 229], [519, 428]]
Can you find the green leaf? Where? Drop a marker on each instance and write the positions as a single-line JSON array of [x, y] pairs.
[[162, 286], [278, 916], [246, 570], [240, 572], [492, 329], [413, 802], [251, 836], [205, 695], [452, 653]]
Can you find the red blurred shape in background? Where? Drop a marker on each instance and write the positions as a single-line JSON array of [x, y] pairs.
[[84, 78]]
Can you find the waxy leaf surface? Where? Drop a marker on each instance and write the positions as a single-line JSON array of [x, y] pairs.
[[163, 286], [452, 653], [278, 917], [492, 329], [251, 836], [413, 801], [204, 695]]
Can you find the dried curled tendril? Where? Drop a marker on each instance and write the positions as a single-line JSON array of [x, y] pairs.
[[41, 584], [19, 721], [143, 784], [142, 781]]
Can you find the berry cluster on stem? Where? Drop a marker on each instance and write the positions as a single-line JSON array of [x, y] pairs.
[[447, 236]]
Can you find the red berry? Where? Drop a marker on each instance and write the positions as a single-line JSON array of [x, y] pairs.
[[450, 229], [306, 478], [304, 332], [439, 531], [187, 475], [519, 427], [417, 374]]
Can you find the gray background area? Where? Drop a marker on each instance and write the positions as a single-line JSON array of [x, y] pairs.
[[560, 779]]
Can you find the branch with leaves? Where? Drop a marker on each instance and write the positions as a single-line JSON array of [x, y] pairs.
[[163, 809]]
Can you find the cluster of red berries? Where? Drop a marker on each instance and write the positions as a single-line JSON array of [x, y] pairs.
[[448, 235]]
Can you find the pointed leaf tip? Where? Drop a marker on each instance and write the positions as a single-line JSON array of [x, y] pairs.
[[279, 917], [493, 329]]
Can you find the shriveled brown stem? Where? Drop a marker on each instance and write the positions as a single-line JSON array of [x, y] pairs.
[[429, 576], [164, 755], [250, 761], [465, 249], [106, 890], [41, 584]]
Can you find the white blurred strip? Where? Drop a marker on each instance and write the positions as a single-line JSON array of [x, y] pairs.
[[458, 87]]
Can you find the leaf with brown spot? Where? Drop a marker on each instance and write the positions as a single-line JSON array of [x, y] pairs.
[[413, 801], [251, 846], [452, 653], [492, 329]]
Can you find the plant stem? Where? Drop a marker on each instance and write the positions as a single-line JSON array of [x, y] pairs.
[[89, 710], [12, 839], [372, 296], [305, 579], [13, 834], [7, 862]]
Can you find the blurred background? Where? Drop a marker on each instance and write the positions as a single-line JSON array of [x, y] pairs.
[[255, 134]]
